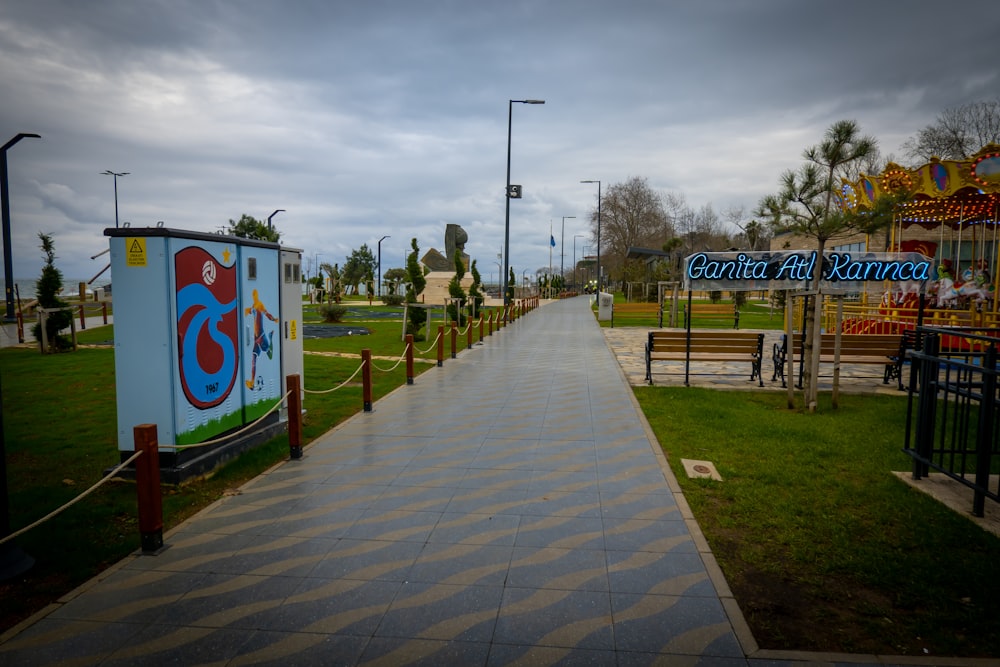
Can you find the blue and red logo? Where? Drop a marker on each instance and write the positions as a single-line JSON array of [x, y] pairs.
[[207, 326]]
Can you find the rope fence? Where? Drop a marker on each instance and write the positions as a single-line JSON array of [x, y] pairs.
[[147, 471], [433, 345], [80, 497], [342, 384], [401, 359]]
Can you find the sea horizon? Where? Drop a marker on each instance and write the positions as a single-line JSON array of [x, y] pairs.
[[25, 287]]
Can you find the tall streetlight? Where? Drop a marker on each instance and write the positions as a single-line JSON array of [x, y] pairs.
[[598, 233], [379, 244], [108, 172], [515, 194], [575, 237], [276, 212], [8, 269], [562, 246]]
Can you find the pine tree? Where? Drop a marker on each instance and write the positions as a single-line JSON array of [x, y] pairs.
[[416, 316], [475, 294], [455, 291], [47, 289]]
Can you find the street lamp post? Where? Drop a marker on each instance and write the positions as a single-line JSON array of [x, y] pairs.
[[8, 269], [575, 237], [598, 233], [276, 212], [108, 172], [379, 286], [507, 194], [562, 246]]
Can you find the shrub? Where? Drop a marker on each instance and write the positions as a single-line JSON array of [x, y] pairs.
[[332, 312], [393, 299]]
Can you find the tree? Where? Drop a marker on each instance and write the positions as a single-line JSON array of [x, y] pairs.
[[393, 278], [249, 227], [957, 133], [47, 289], [335, 293], [475, 293], [358, 267], [511, 282], [455, 291], [632, 214], [416, 316], [755, 234], [702, 230], [807, 204]]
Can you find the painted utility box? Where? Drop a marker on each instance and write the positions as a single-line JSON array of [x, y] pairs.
[[205, 332]]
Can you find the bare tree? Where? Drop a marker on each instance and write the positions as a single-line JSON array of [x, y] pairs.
[[957, 133], [754, 235], [632, 214]]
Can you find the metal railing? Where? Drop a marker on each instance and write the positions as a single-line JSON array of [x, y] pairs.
[[952, 425]]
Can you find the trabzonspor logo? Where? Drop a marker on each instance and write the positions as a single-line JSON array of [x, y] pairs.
[[207, 326]]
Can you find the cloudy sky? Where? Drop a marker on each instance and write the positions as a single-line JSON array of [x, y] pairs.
[[370, 118]]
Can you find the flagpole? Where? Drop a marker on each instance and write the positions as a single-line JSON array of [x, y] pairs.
[[551, 241]]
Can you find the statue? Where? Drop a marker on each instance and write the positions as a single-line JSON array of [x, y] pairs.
[[455, 239]]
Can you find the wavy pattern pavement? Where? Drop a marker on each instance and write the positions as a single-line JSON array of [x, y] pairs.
[[510, 508]]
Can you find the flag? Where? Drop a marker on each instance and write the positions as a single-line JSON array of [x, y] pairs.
[[552, 241]]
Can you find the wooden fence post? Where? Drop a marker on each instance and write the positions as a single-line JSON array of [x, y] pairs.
[[294, 385], [147, 488], [409, 358], [440, 349], [366, 379]]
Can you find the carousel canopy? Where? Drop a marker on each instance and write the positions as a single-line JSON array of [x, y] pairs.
[[955, 193]]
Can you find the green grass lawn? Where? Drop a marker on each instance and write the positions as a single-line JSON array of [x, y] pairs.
[[822, 545]]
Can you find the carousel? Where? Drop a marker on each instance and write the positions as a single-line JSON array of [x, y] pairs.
[[953, 217]]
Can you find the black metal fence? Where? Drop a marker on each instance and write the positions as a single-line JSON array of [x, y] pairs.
[[952, 417]]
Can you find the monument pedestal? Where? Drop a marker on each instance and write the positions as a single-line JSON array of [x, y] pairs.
[[436, 290]]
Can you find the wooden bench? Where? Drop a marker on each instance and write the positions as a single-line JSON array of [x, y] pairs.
[[705, 346], [638, 309], [712, 311], [886, 350]]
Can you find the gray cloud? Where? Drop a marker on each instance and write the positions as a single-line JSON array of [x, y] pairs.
[[369, 118]]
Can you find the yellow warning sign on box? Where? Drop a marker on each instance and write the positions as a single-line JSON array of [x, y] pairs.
[[135, 251], [293, 333]]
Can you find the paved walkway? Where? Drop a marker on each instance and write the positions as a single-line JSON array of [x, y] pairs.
[[510, 508]]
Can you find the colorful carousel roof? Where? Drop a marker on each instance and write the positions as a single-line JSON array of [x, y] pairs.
[[955, 193]]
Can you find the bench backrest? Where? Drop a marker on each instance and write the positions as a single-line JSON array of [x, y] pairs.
[[706, 341], [712, 308], [855, 344]]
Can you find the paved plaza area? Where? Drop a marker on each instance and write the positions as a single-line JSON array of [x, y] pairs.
[[627, 344], [511, 507]]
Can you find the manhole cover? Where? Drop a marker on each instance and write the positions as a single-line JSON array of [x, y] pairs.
[[697, 469]]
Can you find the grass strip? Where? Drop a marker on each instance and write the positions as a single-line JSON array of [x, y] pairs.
[[823, 547]]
